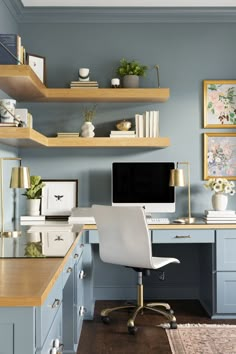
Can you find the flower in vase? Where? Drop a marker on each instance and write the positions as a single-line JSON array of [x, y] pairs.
[[220, 185]]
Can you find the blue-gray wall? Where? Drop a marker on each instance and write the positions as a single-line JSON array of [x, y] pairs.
[[187, 53]]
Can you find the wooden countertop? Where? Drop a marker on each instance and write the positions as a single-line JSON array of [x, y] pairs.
[[27, 281]]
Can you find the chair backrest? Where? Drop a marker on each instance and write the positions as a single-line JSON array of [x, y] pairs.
[[124, 237]]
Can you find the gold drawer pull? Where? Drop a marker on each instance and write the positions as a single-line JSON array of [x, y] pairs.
[[182, 236]]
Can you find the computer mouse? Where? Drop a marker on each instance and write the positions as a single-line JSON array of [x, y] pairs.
[[179, 221]]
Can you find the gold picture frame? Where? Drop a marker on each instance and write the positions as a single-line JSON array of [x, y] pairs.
[[219, 102], [220, 155]]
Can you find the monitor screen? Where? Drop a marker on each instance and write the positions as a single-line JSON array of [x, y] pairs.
[[143, 184]]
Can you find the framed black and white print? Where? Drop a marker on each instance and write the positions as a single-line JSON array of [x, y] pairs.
[[59, 197]]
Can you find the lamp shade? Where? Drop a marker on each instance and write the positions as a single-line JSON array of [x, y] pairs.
[[20, 177], [177, 178]]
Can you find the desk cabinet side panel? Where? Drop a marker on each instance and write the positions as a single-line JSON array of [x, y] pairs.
[[16, 338], [225, 250]]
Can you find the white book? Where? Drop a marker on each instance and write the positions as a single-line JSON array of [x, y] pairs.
[[220, 217], [140, 126], [156, 131], [122, 132], [220, 212], [220, 221], [147, 123], [122, 136], [151, 114], [136, 124], [32, 222], [81, 220], [33, 217]]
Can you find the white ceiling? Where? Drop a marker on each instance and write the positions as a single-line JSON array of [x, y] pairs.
[[129, 3]]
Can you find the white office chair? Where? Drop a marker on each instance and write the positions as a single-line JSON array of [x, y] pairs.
[[124, 239]]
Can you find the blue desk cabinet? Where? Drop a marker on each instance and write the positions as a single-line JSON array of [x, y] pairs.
[[73, 300], [39, 329], [226, 272]]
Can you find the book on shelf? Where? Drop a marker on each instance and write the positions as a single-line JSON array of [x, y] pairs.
[[122, 134], [81, 220], [32, 217], [7, 125], [67, 135], [222, 221], [147, 124], [10, 49], [84, 82]]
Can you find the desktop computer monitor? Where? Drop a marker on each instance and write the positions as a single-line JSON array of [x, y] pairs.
[[143, 184]]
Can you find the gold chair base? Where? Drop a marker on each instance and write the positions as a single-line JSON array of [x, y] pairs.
[[163, 309]]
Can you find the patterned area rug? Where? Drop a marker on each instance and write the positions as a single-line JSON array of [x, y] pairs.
[[202, 339]]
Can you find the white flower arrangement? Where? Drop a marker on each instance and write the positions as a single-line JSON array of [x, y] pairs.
[[220, 185]]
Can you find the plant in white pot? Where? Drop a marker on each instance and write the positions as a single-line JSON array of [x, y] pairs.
[[130, 72], [33, 195]]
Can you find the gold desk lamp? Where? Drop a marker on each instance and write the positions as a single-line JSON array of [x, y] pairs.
[[20, 178], [177, 180]]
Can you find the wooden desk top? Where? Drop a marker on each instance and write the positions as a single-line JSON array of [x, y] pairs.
[[200, 226], [27, 282]]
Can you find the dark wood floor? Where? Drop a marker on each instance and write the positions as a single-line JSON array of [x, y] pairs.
[[98, 338]]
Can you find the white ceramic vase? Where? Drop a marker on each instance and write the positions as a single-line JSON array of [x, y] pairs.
[[219, 201], [87, 130], [33, 207]]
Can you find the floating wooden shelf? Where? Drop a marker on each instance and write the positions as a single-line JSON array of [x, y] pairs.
[[20, 82], [26, 137]]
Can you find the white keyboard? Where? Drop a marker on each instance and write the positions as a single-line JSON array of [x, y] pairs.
[[156, 221]]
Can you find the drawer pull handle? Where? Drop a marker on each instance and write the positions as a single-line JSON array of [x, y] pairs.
[[56, 303], [82, 311], [182, 236], [69, 270], [82, 274], [76, 255]]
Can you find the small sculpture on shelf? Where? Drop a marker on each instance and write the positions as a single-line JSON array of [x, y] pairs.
[[88, 127]]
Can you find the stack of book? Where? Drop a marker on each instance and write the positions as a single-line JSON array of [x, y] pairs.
[[83, 84], [220, 216], [67, 135], [147, 124], [122, 134]]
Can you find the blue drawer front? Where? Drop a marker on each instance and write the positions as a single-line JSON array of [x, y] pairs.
[[183, 236]]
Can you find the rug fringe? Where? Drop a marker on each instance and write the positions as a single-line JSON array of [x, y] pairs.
[[167, 325]]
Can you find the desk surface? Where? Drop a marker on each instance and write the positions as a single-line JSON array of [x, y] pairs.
[[197, 226]]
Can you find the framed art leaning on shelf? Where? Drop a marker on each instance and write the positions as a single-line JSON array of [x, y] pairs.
[[59, 197], [220, 155], [219, 100], [38, 65]]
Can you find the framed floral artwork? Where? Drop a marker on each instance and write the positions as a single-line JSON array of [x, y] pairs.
[[220, 155], [219, 100]]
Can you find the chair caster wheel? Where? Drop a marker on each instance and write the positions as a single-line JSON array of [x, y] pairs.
[[173, 325], [132, 330], [105, 319]]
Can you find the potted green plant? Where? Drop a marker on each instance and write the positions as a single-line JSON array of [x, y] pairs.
[[33, 195], [130, 72]]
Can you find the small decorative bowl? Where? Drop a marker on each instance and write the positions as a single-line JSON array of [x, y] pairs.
[[123, 125]]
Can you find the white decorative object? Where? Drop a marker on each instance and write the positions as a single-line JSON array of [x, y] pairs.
[[83, 74], [219, 201], [87, 130], [7, 110], [33, 207], [115, 83]]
